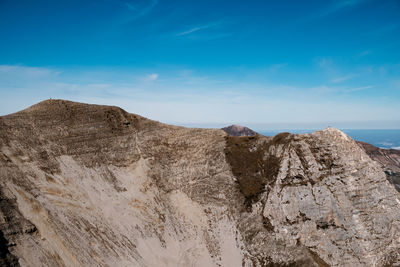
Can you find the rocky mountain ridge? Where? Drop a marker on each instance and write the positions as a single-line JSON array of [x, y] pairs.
[[388, 159], [89, 185]]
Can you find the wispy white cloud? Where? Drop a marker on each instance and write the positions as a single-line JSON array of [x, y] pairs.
[[30, 72], [336, 73], [333, 91], [152, 77], [199, 28], [360, 88], [137, 10], [276, 67], [342, 79], [335, 7], [324, 62], [192, 30]]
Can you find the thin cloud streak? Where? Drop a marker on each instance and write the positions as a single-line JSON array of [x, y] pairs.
[[331, 9], [198, 28], [360, 88], [137, 12], [27, 71], [342, 79], [191, 31]]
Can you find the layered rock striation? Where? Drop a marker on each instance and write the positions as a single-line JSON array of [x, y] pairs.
[[88, 185], [388, 159]]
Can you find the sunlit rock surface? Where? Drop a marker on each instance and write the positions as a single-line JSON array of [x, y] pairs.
[[388, 159], [88, 185]]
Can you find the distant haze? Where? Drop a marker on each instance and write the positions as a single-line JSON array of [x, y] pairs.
[[260, 127], [264, 64]]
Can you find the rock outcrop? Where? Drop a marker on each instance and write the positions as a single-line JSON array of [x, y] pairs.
[[88, 185], [237, 130], [388, 159]]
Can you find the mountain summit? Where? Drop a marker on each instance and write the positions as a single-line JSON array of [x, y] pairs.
[[237, 130], [90, 185]]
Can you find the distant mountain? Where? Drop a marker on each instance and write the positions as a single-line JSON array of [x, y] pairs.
[[237, 130]]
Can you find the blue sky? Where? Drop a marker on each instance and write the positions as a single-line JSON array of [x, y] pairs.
[[266, 64]]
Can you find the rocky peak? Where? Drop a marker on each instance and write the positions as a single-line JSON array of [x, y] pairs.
[[237, 130]]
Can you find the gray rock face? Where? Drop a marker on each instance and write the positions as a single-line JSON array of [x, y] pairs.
[[388, 159], [87, 185]]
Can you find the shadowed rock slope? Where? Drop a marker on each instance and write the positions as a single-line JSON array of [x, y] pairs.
[[88, 185]]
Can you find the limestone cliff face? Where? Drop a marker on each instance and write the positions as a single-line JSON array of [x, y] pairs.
[[388, 159], [87, 185]]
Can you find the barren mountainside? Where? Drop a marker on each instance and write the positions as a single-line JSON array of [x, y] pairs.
[[89, 185], [388, 159]]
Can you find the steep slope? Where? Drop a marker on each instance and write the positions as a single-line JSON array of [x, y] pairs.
[[87, 185], [388, 159]]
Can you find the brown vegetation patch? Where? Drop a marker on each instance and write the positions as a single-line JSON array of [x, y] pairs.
[[251, 164], [282, 138], [267, 224]]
